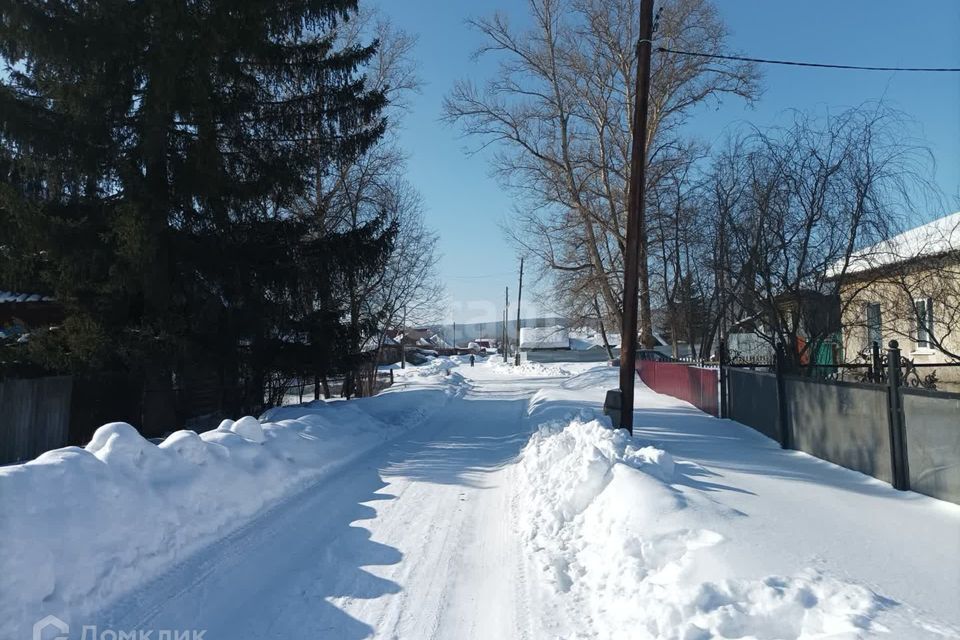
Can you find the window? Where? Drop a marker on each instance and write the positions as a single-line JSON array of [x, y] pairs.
[[923, 316], [874, 322]]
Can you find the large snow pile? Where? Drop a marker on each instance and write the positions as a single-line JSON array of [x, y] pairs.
[[529, 369], [434, 370], [82, 526], [602, 519]]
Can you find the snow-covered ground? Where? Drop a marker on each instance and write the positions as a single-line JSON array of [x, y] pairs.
[[471, 502]]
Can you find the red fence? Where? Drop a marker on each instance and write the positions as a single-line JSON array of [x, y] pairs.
[[700, 387]]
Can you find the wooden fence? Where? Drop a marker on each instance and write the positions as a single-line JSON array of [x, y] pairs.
[[34, 416]]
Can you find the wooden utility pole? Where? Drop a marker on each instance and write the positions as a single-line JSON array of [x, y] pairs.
[[506, 315], [403, 336], [632, 266], [516, 358]]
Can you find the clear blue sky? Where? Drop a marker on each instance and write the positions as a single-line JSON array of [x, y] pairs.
[[464, 204]]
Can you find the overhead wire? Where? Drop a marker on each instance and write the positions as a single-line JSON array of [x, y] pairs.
[[795, 63]]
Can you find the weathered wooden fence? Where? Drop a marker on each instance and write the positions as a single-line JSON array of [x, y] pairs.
[[34, 416]]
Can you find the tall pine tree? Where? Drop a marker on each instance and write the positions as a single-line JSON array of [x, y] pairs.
[[150, 157]]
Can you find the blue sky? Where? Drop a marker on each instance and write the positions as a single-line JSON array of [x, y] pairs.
[[464, 204]]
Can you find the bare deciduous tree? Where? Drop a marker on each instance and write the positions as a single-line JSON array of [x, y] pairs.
[[560, 114], [795, 203], [371, 191]]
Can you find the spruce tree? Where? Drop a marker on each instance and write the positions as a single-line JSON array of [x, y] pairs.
[[151, 154]]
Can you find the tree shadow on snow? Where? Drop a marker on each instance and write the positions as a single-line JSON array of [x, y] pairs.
[[706, 447], [280, 575], [474, 438], [726, 445]]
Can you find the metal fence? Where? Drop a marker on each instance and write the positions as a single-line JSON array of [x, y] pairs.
[[697, 385], [842, 422], [752, 400], [932, 421], [902, 434], [34, 416]]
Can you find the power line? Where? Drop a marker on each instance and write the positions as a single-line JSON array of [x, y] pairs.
[[794, 63], [488, 275]]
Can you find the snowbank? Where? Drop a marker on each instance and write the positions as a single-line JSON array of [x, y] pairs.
[[435, 366], [529, 369], [82, 526], [601, 517]]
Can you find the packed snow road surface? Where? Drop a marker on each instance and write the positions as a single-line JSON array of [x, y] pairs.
[[414, 540], [485, 502]]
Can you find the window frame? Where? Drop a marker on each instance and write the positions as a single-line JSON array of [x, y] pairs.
[[923, 322], [874, 326]]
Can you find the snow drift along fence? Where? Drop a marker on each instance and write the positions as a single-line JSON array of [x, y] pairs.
[[696, 385], [34, 416]]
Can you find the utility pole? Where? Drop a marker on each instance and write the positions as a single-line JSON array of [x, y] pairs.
[[638, 161], [516, 358], [403, 336], [506, 314]]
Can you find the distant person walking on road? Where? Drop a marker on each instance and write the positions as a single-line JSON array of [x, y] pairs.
[[472, 359]]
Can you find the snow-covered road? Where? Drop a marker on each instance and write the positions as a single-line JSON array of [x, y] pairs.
[[490, 503], [414, 540]]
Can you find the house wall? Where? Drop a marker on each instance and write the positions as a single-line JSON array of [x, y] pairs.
[[895, 294]]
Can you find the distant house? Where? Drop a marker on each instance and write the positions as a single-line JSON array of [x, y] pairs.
[[21, 313], [389, 349], [544, 338], [815, 317], [591, 340], [906, 288]]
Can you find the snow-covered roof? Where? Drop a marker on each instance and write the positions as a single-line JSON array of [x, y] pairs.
[[437, 341], [371, 343], [556, 337], [584, 339], [928, 240], [13, 296]]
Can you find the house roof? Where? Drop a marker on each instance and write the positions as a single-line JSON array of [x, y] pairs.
[[544, 338], [7, 297], [584, 339], [935, 238]]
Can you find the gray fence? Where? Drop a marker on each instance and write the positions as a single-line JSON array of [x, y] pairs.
[[843, 422], [932, 421], [753, 401], [906, 436], [34, 416]]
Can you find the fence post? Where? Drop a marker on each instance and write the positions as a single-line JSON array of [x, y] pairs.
[[876, 375], [786, 439], [723, 378], [898, 450]]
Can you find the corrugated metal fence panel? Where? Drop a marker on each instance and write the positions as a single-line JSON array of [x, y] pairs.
[[709, 387], [51, 414], [34, 416], [695, 385], [933, 442], [753, 400], [844, 423]]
